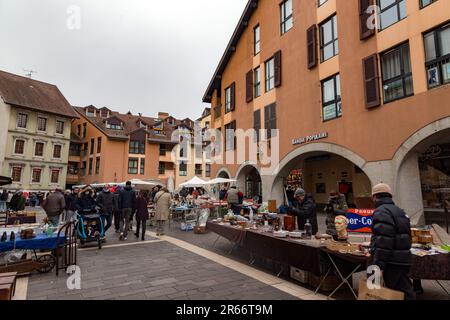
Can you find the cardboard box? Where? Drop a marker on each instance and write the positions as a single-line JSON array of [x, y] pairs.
[[300, 275]]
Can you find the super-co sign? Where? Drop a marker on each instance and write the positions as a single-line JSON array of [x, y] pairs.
[[360, 220]]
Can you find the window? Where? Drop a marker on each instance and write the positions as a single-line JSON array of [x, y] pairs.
[[19, 146], [90, 166], [257, 82], [331, 98], [133, 165], [85, 148], [207, 170], [83, 168], [42, 124], [39, 149], [142, 166], [329, 39], [270, 75], [321, 2], [256, 40], [57, 151], [437, 56], [16, 174], [137, 147], [391, 11], [92, 146], [227, 99], [229, 136], [424, 3], [22, 119], [198, 151], [36, 175], [162, 149], [270, 119], [113, 126], [286, 16], [55, 176], [59, 127], [79, 130], [97, 165], [198, 169], [397, 76], [183, 169], [99, 145], [90, 113], [162, 168], [84, 130]]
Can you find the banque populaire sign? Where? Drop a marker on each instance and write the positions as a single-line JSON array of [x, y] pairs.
[[311, 138], [360, 220]]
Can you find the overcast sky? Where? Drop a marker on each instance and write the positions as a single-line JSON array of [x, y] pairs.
[[140, 55]]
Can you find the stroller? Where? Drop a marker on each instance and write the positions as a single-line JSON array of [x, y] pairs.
[[90, 227]]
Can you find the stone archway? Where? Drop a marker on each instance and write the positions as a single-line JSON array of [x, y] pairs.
[[223, 173], [405, 163], [273, 186], [248, 180]]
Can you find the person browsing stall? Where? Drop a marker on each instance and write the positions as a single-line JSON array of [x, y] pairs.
[[304, 208]]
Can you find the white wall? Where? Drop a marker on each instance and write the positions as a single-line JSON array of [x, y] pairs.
[[5, 114]]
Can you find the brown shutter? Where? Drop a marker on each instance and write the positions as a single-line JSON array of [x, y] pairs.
[[364, 31], [233, 126], [311, 37], [249, 86], [277, 63], [257, 124], [371, 81], [233, 96]]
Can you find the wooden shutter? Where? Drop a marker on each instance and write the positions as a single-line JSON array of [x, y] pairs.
[[267, 121], [233, 96], [233, 126], [364, 31], [277, 63], [311, 38], [249, 86], [257, 124], [371, 81]]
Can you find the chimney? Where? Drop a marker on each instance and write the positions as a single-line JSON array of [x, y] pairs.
[[163, 115]]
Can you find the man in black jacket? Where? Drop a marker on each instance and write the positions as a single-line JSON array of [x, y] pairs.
[[105, 201], [304, 207], [391, 241], [127, 203]]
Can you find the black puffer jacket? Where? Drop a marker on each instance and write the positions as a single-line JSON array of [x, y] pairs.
[[105, 201], [305, 210], [391, 239], [127, 198]]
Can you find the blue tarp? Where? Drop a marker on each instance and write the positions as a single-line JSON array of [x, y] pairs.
[[40, 242]]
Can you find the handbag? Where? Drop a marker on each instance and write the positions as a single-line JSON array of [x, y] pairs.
[[382, 293]]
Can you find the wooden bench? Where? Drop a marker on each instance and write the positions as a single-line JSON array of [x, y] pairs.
[[7, 285]]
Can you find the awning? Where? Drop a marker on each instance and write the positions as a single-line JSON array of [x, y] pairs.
[[194, 183], [221, 181], [5, 181]]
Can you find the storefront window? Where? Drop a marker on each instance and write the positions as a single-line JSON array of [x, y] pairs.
[[434, 167]]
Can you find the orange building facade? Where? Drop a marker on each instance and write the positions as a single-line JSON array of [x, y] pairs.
[[356, 98], [110, 147]]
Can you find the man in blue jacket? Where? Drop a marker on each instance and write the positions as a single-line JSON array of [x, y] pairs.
[[391, 241]]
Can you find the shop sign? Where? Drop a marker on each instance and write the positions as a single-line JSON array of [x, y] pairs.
[[360, 220], [311, 138]]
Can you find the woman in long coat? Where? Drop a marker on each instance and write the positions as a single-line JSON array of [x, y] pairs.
[[141, 213], [163, 200]]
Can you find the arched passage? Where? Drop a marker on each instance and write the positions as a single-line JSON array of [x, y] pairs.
[[321, 168], [223, 173], [249, 181], [423, 173]]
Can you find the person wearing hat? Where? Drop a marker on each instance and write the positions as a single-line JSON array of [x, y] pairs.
[[336, 206], [391, 241], [54, 205], [105, 201], [304, 208]]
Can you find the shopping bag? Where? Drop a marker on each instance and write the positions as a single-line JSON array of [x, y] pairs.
[[382, 293]]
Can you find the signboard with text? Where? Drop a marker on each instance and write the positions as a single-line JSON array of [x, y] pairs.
[[360, 220]]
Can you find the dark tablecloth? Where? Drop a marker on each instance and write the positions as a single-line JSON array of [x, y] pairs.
[[285, 251], [40, 242], [234, 234], [21, 219]]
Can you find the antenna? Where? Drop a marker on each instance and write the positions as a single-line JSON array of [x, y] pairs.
[[29, 73]]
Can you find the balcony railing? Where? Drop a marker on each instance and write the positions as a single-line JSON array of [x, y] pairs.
[[218, 111], [74, 153]]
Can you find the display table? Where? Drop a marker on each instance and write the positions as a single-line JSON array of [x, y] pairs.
[[13, 219], [40, 242], [236, 235]]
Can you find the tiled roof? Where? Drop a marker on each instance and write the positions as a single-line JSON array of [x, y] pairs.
[[131, 123], [34, 95]]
